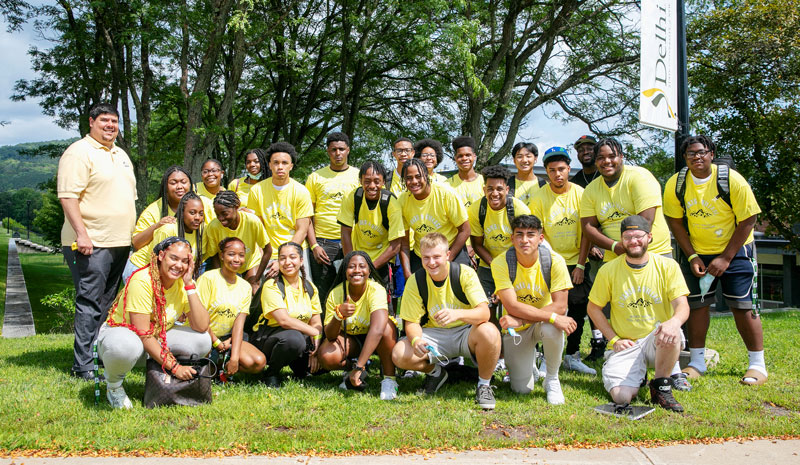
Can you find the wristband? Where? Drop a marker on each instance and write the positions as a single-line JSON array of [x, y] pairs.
[[553, 318], [216, 343], [614, 246], [337, 314], [582, 267], [414, 341], [175, 367], [314, 246], [317, 337], [692, 257], [189, 286], [190, 292], [610, 345]]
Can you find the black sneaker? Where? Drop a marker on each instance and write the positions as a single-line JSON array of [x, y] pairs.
[[661, 394], [83, 375], [680, 382], [272, 381], [433, 383], [484, 397], [598, 350]]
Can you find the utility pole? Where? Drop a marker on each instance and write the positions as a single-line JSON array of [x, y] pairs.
[[683, 87]]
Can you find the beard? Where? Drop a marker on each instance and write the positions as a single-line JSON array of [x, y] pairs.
[[636, 253]]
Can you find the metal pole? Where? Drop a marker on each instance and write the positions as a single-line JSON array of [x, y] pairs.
[[683, 87]]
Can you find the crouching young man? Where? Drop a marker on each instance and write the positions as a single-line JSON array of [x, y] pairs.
[[446, 315], [532, 282], [648, 306]]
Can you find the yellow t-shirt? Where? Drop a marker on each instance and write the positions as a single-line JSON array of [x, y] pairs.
[[529, 284], [524, 190], [468, 192], [327, 189], [223, 301], [250, 230], [636, 190], [497, 236], [279, 210], [561, 219], [440, 297], [201, 190], [711, 221], [152, 214], [369, 235], [241, 188], [141, 257], [374, 298], [397, 185], [440, 211], [639, 298], [297, 302], [103, 182], [140, 300], [436, 177]]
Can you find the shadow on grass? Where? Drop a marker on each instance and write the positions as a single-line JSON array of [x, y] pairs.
[[59, 358]]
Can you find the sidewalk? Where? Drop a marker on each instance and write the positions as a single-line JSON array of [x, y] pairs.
[[773, 452], [18, 318]]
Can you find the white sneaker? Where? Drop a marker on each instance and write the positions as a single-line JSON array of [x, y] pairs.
[[388, 389], [501, 365], [552, 387], [118, 399], [574, 363], [411, 374]]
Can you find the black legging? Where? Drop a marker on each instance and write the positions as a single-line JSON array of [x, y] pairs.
[[576, 303], [283, 347]]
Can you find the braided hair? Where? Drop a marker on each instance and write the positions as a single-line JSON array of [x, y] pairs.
[[376, 167], [182, 228], [341, 275], [612, 143], [698, 139], [423, 170], [227, 199], [163, 190]]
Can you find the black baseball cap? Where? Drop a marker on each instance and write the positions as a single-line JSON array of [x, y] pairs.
[[585, 139], [635, 222]]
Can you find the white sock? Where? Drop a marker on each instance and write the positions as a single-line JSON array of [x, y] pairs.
[[114, 385], [757, 361], [677, 368], [437, 370], [597, 334], [698, 359], [482, 382]]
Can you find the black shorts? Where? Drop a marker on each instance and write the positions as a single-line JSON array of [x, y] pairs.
[[737, 280]]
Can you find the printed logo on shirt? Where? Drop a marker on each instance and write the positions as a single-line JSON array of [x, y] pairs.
[[500, 237], [617, 215], [700, 214], [565, 222], [640, 303], [424, 229], [648, 298], [528, 299], [369, 234]]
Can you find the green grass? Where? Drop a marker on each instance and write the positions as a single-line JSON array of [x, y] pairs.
[[43, 408], [45, 274]]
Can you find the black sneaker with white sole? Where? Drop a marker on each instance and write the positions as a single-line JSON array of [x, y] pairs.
[[484, 396], [433, 383], [661, 394]]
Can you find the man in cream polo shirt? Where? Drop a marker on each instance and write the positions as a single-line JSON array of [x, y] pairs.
[[97, 190]]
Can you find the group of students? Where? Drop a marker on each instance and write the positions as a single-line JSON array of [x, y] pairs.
[[482, 266]]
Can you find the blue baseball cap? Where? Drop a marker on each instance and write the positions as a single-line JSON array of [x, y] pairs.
[[556, 152]]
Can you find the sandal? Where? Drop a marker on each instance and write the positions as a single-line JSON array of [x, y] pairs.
[[753, 377], [692, 372]]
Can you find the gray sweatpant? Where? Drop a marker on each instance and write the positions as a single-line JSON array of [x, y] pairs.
[[121, 349], [520, 356]]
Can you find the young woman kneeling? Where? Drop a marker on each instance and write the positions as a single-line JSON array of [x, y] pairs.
[[143, 317], [357, 324], [227, 298], [289, 329]]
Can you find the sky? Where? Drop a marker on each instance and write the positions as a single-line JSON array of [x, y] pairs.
[[27, 123]]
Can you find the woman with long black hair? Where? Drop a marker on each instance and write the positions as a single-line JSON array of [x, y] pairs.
[[257, 169], [357, 324]]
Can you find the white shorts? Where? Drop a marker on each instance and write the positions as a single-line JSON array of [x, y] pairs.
[[629, 367], [450, 342]]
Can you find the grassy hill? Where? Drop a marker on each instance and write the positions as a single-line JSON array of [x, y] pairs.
[[28, 165]]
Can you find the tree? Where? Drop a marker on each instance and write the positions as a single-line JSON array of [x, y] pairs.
[[744, 78]]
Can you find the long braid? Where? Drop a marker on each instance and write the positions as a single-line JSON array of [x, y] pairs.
[[163, 190], [227, 199]]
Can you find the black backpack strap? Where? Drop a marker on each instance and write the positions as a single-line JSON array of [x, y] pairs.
[[482, 212], [509, 209], [358, 199], [680, 187], [511, 261], [512, 185], [723, 183], [542, 182], [545, 263], [455, 283], [309, 288], [422, 287], [386, 196]]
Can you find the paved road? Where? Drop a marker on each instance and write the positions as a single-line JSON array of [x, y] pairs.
[[759, 452]]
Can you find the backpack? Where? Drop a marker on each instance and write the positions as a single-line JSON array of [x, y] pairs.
[[358, 199], [545, 262], [509, 210], [255, 305], [512, 184], [455, 283], [723, 184]]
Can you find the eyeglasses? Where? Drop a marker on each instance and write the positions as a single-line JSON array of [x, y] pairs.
[[214, 171], [634, 237], [404, 151], [427, 155], [698, 154]]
